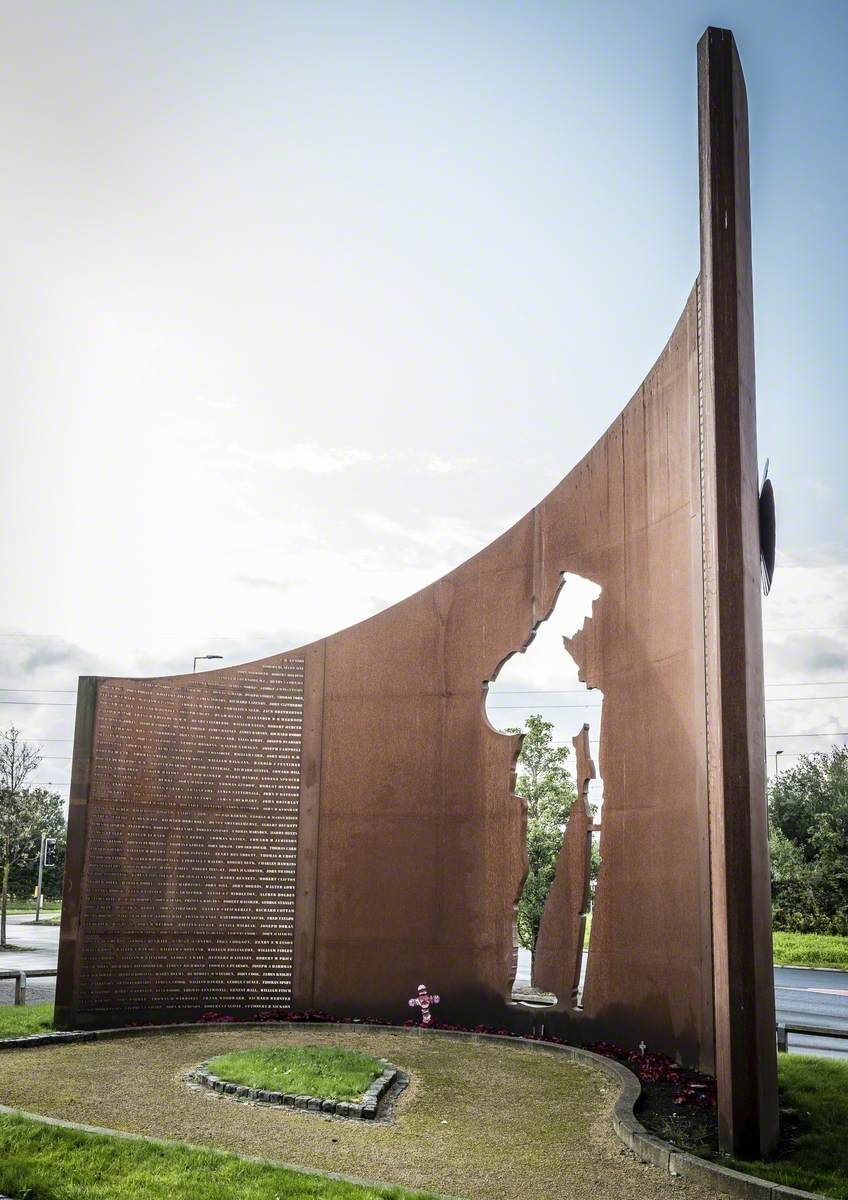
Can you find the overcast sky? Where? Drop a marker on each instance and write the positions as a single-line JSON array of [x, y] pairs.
[[303, 303]]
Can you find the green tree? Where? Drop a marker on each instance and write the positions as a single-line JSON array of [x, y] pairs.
[[23, 877], [20, 810], [793, 902], [808, 836], [543, 778]]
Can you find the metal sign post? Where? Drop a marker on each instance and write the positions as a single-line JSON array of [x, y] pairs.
[[40, 875], [46, 858]]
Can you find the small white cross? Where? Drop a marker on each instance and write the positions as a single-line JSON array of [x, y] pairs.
[[642, 1048]]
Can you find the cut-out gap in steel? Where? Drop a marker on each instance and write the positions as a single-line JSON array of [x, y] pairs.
[[593, 840], [543, 679]]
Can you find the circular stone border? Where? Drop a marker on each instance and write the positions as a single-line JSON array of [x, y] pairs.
[[627, 1127], [363, 1110]]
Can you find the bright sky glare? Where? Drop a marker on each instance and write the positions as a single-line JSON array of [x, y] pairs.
[[303, 304]]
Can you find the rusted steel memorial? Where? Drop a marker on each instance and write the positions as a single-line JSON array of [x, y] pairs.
[[329, 827]]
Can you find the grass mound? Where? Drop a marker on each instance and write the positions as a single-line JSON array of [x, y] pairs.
[[325, 1071], [62, 1164], [18, 1020], [811, 950]]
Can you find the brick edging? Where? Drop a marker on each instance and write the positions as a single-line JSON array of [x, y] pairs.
[[627, 1127], [362, 1110]]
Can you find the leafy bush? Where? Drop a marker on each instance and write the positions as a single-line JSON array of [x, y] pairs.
[[808, 834]]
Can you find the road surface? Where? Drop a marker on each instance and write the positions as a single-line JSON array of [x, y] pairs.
[[808, 996], [38, 950]]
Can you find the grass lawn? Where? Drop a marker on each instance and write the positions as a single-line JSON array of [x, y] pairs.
[[817, 1090], [325, 1071], [28, 906], [62, 1164], [811, 950], [16, 1020]]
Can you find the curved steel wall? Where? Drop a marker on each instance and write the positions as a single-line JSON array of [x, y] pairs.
[[332, 826]]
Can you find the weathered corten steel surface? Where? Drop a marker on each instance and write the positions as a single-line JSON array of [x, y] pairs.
[[558, 953], [334, 825], [628, 517], [187, 898], [414, 846], [741, 897]]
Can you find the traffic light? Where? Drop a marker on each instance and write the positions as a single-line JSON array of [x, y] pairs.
[[50, 852]]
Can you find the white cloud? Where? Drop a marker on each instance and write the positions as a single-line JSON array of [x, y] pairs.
[[808, 605], [450, 466], [805, 629], [311, 458]]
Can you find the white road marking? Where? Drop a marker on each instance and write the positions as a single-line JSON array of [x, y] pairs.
[[782, 987]]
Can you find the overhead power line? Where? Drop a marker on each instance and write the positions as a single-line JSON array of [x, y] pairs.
[[772, 700], [52, 691], [827, 733], [494, 690], [545, 707], [805, 629], [810, 683]]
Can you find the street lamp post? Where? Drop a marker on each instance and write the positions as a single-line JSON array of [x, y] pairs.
[[777, 754], [201, 657]]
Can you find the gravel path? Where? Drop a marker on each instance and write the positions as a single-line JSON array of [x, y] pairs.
[[478, 1121]]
